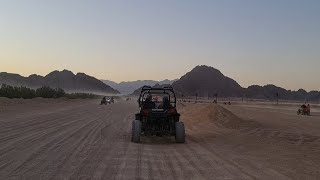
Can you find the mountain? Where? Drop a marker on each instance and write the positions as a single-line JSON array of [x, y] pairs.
[[129, 87], [207, 81], [65, 79], [270, 91]]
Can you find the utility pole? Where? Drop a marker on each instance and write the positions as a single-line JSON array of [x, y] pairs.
[[242, 97], [216, 95]]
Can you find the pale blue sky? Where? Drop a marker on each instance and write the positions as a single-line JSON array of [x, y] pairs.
[[251, 41]]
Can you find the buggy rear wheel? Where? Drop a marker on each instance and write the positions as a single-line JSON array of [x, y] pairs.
[[180, 132], [136, 130]]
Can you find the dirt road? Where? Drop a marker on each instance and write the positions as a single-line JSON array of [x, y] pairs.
[[82, 140]]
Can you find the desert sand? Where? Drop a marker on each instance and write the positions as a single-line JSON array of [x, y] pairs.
[[79, 139]]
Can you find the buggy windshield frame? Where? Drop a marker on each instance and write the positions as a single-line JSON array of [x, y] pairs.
[[168, 91]]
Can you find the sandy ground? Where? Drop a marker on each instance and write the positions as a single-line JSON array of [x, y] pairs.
[[78, 139]]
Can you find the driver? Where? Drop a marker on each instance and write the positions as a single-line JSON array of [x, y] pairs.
[[148, 103], [308, 109]]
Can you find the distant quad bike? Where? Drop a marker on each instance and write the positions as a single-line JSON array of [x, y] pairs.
[[158, 115], [104, 101], [303, 110]]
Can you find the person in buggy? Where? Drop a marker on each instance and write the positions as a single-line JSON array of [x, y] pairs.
[[103, 101], [165, 104], [148, 103]]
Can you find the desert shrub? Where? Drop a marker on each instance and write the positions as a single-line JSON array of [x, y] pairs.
[[27, 93], [16, 92], [60, 93], [47, 92], [44, 92]]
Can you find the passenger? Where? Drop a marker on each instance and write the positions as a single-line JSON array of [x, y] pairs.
[[308, 109], [165, 104], [148, 103]]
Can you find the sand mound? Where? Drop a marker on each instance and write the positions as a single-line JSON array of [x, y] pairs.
[[225, 118], [206, 114]]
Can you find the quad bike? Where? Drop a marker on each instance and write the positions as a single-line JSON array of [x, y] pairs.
[[104, 101], [303, 111], [156, 118], [227, 103]]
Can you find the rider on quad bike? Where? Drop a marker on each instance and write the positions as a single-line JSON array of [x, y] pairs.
[[304, 110]]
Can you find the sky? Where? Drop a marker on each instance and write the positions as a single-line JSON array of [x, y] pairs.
[[252, 41]]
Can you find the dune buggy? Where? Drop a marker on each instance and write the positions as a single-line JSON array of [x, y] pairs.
[[158, 115], [105, 101]]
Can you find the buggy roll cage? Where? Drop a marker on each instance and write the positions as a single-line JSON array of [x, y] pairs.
[[150, 90]]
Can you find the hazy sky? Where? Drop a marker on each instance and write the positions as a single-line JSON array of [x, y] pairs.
[[251, 41]]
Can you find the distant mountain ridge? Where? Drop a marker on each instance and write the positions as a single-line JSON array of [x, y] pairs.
[[65, 80], [138, 91], [203, 81], [270, 92], [207, 81], [128, 87]]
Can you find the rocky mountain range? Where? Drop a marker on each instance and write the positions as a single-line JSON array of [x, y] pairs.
[[208, 81], [271, 91], [128, 87], [65, 80], [205, 81], [138, 91]]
